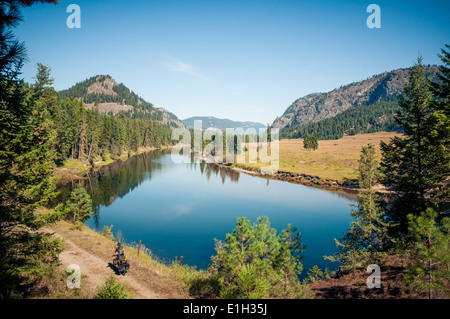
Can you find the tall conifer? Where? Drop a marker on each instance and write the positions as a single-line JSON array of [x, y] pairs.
[[412, 165]]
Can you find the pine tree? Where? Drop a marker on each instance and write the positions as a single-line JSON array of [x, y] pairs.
[[428, 253], [428, 234], [441, 88], [314, 141], [310, 141], [135, 140], [81, 143], [26, 164], [254, 261], [364, 241], [269, 134], [440, 121], [411, 164], [79, 205], [307, 142], [289, 258]]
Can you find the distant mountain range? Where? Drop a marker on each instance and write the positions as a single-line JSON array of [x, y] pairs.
[[358, 107], [108, 96], [210, 121]]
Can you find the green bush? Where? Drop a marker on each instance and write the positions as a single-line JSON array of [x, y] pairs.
[[77, 225], [316, 274], [78, 207], [111, 289], [255, 262], [249, 285], [106, 233], [105, 157], [201, 284]]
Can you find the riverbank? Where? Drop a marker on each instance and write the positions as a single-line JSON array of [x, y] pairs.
[[92, 245], [74, 169], [92, 252], [147, 278], [348, 185], [331, 167]]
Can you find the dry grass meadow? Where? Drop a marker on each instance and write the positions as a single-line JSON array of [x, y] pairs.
[[334, 159]]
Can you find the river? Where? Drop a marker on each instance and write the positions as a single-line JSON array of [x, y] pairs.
[[179, 209]]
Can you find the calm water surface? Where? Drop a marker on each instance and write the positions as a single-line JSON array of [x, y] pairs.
[[178, 209]]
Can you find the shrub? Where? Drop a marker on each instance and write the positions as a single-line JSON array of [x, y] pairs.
[[105, 157], [111, 289], [254, 262], [79, 206], [249, 285], [107, 233], [316, 274]]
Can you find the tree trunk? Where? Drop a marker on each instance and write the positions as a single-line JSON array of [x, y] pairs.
[[429, 279]]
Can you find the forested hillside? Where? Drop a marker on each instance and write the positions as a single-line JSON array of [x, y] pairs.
[[371, 118], [105, 94], [360, 107], [82, 133]]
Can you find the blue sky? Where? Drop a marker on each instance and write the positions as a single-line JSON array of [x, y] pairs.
[[243, 60]]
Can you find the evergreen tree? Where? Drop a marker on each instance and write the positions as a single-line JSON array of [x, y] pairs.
[[254, 262], [314, 141], [112, 289], [428, 253], [79, 205], [43, 91], [289, 258], [440, 121], [81, 139], [269, 134], [307, 141], [26, 164], [441, 88], [68, 136], [428, 238], [411, 165], [310, 141], [368, 232]]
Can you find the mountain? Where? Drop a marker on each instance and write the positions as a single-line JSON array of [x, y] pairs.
[[317, 107], [209, 121], [369, 118], [108, 96]]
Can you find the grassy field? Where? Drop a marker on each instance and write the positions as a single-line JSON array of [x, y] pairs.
[[334, 159]]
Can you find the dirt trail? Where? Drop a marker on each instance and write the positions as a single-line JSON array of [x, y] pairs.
[[92, 252], [95, 270]]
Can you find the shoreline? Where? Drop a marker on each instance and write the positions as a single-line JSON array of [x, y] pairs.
[[345, 188], [80, 167], [348, 187], [322, 289]]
